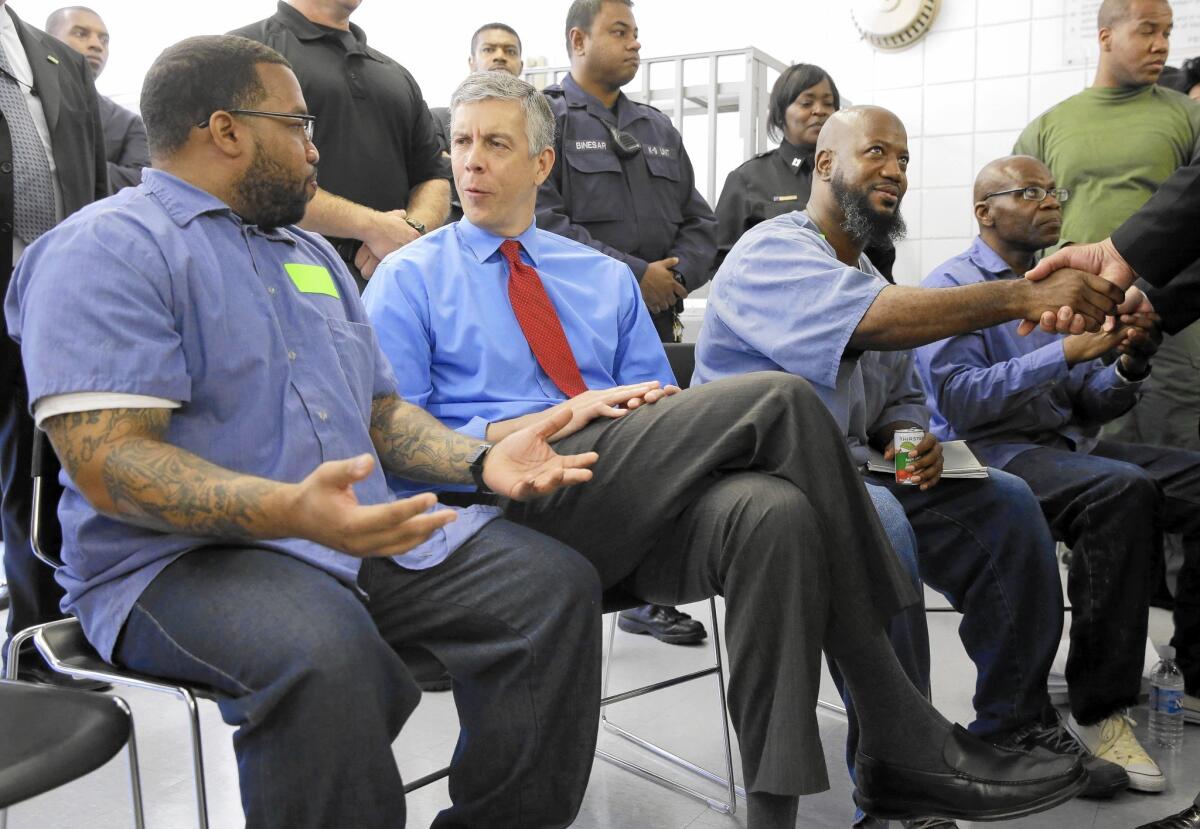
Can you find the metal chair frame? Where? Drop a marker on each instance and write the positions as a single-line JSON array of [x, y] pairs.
[[732, 790], [85, 663], [135, 777]]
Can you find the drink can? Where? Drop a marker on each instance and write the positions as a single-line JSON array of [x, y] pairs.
[[906, 441]]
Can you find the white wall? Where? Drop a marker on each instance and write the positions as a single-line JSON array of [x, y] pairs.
[[964, 92]]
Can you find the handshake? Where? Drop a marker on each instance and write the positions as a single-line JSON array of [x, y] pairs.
[[1102, 283]]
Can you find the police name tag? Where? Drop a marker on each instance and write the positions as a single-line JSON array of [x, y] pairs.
[[311, 279], [591, 145]]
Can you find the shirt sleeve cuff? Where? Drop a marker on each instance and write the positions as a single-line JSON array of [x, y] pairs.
[[1120, 380], [85, 401], [907, 413], [476, 427]]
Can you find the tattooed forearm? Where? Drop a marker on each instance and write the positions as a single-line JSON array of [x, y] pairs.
[[161, 486], [414, 444], [123, 466]]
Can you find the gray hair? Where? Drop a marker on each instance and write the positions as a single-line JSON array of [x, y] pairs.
[[501, 86]]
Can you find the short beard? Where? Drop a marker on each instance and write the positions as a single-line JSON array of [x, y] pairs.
[[864, 224], [268, 195]]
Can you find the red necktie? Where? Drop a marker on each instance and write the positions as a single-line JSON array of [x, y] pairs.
[[539, 322]]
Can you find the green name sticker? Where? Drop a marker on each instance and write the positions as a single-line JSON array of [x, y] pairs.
[[311, 279]]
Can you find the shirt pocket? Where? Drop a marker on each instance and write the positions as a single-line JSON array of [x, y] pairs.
[[597, 187], [665, 178], [354, 344]]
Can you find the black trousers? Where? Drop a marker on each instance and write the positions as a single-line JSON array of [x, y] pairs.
[[743, 488]]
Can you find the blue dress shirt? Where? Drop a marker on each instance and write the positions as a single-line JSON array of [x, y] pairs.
[[782, 301], [161, 290], [440, 307], [1005, 393]]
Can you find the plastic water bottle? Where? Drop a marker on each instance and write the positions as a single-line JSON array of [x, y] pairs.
[[1166, 702]]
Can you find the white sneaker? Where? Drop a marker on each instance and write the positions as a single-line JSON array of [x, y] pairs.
[[1112, 739], [1191, 709]]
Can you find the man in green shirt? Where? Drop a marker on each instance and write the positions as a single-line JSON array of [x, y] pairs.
[[1111, 146]]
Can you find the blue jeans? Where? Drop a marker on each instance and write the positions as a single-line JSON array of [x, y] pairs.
[[984, 545], [1112, 507], [313, 681]]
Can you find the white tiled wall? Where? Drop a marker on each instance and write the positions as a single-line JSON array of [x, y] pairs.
[[965, 92]]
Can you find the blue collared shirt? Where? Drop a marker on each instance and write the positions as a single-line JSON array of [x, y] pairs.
[[782, 301], [1006, 393], [442, 313], [162, 291]]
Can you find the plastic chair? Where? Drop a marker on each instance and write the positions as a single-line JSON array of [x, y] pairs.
[[53, 736]]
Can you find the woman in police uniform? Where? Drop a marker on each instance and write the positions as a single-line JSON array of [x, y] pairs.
[[779, 180]]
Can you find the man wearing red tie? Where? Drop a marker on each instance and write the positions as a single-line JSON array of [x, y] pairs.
[[743, 487]]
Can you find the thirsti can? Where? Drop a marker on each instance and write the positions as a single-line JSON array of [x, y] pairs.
[[906, 441]]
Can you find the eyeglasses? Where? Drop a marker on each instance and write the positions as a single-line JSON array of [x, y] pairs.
[[1035, 193], [310, 121]]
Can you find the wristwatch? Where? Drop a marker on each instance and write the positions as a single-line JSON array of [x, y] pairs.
[[475, 461], [415, 225]]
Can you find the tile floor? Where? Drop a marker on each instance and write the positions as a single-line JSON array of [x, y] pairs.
[[682, 718]]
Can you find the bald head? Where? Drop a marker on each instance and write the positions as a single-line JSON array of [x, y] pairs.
[[1009, 172], [1013, 225], [860, 174], [853, 124]]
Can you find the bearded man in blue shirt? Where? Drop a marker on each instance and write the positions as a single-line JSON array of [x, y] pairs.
[[1033, 406], [797, 294], [742, 488], [206, 373]]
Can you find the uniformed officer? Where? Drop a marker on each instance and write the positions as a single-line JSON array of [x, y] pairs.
[[779, 180], [622, 182]]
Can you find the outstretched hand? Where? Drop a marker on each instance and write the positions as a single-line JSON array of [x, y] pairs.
[[323, 508], [524, 465], [1100, 258]]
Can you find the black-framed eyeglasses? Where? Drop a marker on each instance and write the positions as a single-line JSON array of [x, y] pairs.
[[1035, 193], [310, 121]]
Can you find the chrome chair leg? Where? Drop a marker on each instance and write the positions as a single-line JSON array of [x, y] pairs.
[[189, 699], [135, 774], [728, 781]]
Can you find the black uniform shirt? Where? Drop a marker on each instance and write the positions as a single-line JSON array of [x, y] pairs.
[[638, 210], [374, 131], [769, 185]]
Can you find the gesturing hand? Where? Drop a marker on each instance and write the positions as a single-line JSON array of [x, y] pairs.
[[524, 466], [323, 508], [1100, 258]]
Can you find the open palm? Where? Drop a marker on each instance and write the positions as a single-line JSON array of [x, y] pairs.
[[524, 465]]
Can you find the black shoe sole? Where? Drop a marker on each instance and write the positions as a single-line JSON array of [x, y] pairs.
[[1094, 791], [630, 626], [908, 811]]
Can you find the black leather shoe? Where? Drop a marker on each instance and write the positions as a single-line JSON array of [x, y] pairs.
[[1189, 818], [979, 781], [3, 595], [39, 673], [1105, 779], [666, 624]]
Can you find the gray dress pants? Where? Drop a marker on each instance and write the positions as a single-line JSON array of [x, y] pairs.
[[744, 488]]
